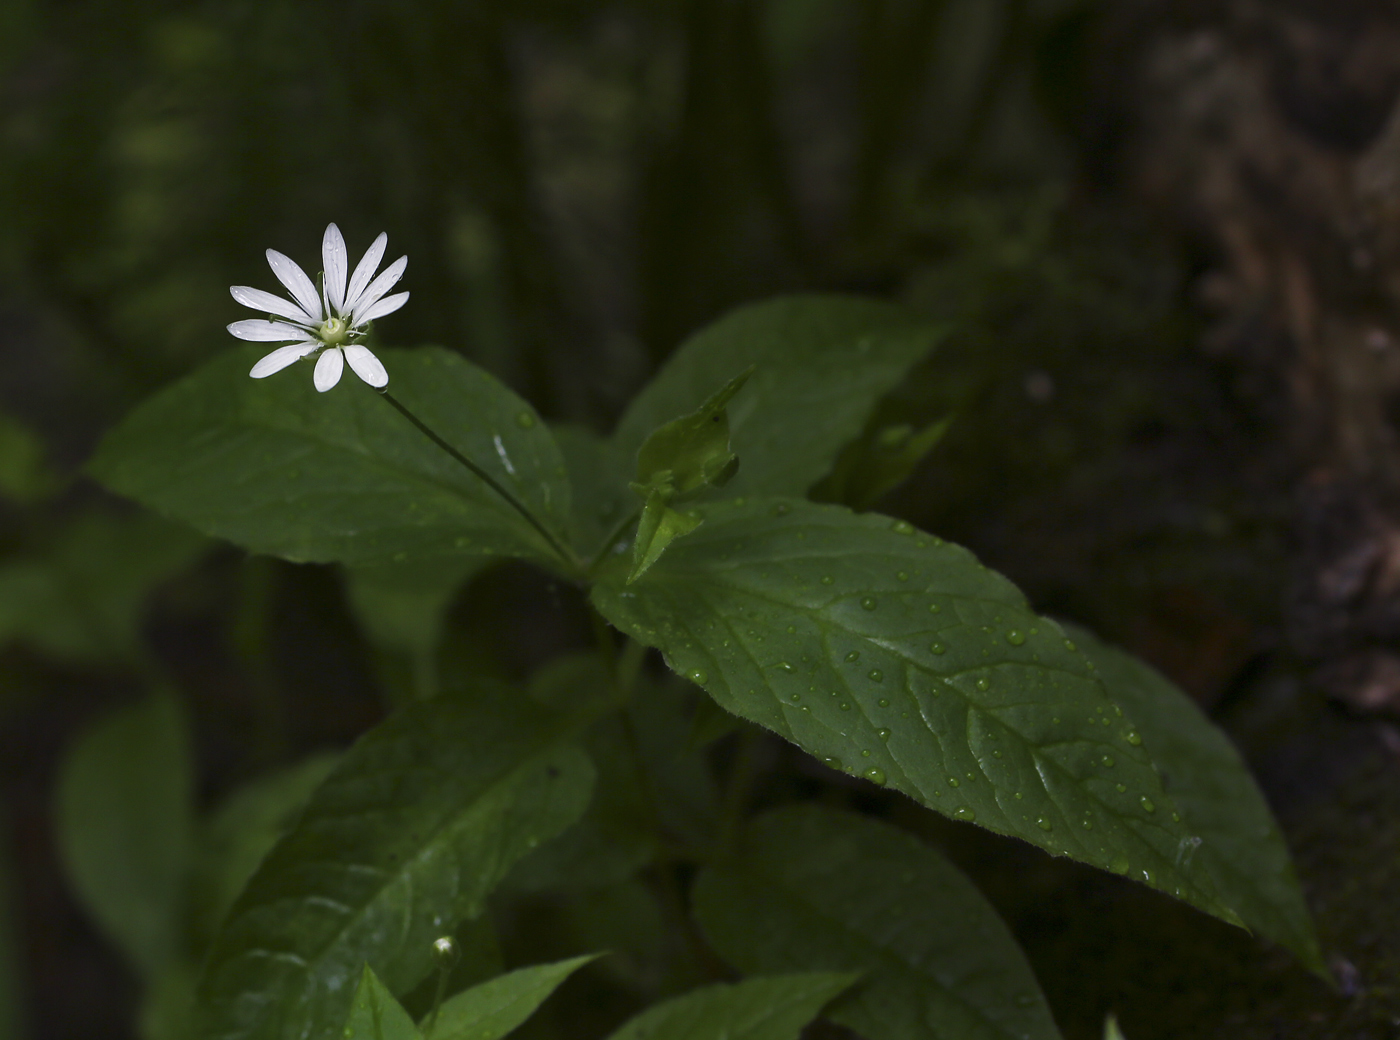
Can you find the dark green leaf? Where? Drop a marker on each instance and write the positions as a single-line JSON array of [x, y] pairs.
[[167, 1003], [25, 476], [774, 1008], [873, 466], [124, 816], [820, 365], [278, 468], [491, 1010], [375, 1014], [82, 598], [691, 453], [407, 837], [598, 474], [898, 657], [659, 526], [813, 888], [1111, 1031], [242, 831], [1232, 833]]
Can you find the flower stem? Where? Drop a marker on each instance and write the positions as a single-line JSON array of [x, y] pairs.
[[563, 553]]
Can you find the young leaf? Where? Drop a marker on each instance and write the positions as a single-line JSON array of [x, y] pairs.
[[691, 453], [124, 815], [773, 1008], [418, 823], [492, 1009], [820, 365], [1232, 833], [278, 468], [893, 655], [816, 888], [375, 1014], [659, 526], [82, 597]]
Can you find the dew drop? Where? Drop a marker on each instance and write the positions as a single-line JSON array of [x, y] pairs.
[[996, 754], [1134, 738], [902, 576], [884, 702], [902, 527], [782, 509], [1070, 646], [827, 579], [854, 655], [1044, 824], [462, 541], [1088, 825], [965, 813], [525, 420], [1015, 637], [983, 683], [786, 666], [868, 602], [845, 705], [883, 734], [1119, 864], [875, 775], [953, 782], [934, 608], [937, 648], [698, 677], [1107, 760], [875, 675], [1176, 817], [832, 762], [1146, 804], [794, 697], [1121, 788]]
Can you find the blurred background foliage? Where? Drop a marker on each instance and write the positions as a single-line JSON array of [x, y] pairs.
[[578, 185]]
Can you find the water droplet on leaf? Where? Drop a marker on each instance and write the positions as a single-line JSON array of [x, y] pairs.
[[1015, 637], [868, 602]]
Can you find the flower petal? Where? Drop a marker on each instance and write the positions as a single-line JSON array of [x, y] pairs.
[[364, 271], [378, 288], [260, 330], [280, 359], [366, 365], [328, 368], [269, 304], [388, 305], [290, 274], [336, 264]]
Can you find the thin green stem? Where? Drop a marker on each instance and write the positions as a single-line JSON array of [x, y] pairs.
[[627, 522], [569, 559]]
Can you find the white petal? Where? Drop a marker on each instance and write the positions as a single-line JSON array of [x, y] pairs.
[[280, 359], [388, 305], [328, 368], [260, 330], [366, 365], [269, 304], [378, 288], [336, 264], [294, 278], [364, 271]]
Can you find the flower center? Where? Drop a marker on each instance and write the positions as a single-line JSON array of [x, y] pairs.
[[334, 331]]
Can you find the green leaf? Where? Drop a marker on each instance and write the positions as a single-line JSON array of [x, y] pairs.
[[598, 474], [375, 1014], [816, 888], [691, 453], [25, 476], [278, 468], [820, 365], [871, 467], [166, 1011], [125, 819], [81, 598], [1233, 835], [774, 1008], [402, 607], [242, 831], [418, 823], [491, 1010], [659, 526], [1111, 1031], [894, 655]]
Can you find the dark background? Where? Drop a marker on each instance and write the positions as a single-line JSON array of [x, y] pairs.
[[1167, 234]]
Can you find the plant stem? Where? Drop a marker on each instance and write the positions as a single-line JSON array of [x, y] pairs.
[[560, 550], [627, 522]]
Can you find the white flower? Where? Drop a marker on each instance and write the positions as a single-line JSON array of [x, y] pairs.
[[330, 321]]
